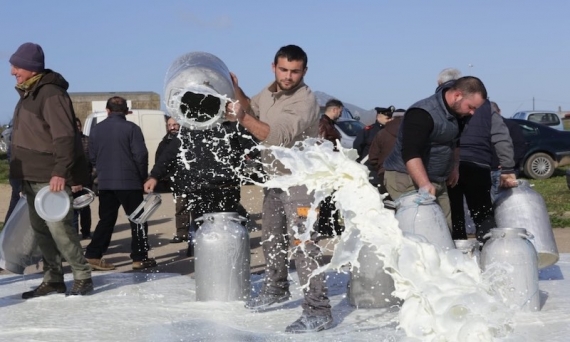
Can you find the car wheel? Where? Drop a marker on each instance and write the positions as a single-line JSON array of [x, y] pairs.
[[539, 166]]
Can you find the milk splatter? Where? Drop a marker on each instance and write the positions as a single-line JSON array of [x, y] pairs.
[[446, 297]]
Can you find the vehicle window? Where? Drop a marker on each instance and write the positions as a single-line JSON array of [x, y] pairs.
[[528, 130], [549, 119], [518, 116], [350, 128]]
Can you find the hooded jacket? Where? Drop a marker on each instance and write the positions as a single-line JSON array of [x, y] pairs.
[[45, 139]]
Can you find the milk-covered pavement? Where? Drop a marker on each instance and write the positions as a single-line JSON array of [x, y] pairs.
[[161, 307]]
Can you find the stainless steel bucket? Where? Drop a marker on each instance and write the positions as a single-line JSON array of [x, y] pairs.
[[471, 248], [512, 246], [18, 245], [370, 286], [222, 258], [84, 200], [525, 208], [147, 207], [420, 214], [196, 88]]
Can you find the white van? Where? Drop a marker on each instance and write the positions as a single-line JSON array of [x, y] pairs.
[[150, 121]]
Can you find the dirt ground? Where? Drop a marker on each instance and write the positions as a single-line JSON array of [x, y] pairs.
[[172, 258]]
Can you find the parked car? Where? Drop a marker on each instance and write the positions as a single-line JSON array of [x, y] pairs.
[[548, 148], [348, 129], [5, 137], [545, 117]]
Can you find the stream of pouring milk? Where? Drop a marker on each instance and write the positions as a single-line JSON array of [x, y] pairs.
[[446, 297]]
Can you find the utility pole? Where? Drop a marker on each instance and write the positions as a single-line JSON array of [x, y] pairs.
[[533, 103]]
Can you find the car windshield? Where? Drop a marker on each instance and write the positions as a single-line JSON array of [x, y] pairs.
[[350, 127]]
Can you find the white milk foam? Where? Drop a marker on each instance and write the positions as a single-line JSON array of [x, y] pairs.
[[446, 297]]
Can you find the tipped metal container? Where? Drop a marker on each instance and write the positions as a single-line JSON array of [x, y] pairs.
[[196, 89], [519, 287], [222, 258], [370, 286], [523, 207], [18, 244], [471, 248], [147, 207], [418, 213]]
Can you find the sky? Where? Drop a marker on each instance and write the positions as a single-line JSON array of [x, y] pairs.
[[365, 52]]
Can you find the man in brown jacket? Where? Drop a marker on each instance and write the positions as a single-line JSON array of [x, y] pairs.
[[47, 151], [333, 110], [381, 147]]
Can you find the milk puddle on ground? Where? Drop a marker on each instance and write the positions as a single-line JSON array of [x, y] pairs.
[[446, 298]]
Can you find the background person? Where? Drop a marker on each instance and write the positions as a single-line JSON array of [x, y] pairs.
[[82, 217], [46, 151], [365, 137], [283, 113], [118, 151]]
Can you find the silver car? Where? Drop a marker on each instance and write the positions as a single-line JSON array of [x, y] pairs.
[[348, 129], [544, 117]]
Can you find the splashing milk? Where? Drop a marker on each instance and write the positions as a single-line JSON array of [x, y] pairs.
[[446, 297]]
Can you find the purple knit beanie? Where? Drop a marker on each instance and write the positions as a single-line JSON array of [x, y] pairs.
[[29, 56]]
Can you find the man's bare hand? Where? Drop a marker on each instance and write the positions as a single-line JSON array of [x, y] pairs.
[[149, 185], [453, 177], [76, 188], [56, 183], [508, 180]]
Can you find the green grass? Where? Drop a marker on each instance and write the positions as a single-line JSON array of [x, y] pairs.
[[556, 195], [3, 169]]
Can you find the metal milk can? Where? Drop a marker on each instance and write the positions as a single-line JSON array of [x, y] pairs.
[[523, 207], [18, 243], [222, 258], [512, 246], [196, 87], [418, 213], [370, 286], [471, 248]]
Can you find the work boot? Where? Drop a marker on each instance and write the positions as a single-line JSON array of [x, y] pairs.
[[142, 264], [264, 300], [45, 289], [81, 287], [100, 265], [310, 323]]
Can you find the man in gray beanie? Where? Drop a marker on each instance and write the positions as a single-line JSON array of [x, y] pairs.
[[47, 151]]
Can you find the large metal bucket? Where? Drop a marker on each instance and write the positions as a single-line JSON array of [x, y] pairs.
[[196, 88], [222, 258], [370, 286], [525, 208], [418, 213], [18, 245], [471, 248], [512, 246]]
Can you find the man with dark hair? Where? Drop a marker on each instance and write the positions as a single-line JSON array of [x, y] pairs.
[[425, 155], [328, 215], [46, 151], [365, 137], [118, 151], [333, 110], [282, 114]]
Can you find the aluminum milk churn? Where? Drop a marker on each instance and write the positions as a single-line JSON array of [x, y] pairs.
[[512, 246], [523, 207], [18, 244], [471, 248], [222, 258], [196, 88], [370, 286], [418, 213]]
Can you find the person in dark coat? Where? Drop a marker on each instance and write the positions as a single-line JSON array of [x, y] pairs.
[[82, 217], [364, 139], [182, 215], [207, 173], [118, 151]]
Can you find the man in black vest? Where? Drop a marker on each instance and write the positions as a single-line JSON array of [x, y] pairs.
[[425, 155]]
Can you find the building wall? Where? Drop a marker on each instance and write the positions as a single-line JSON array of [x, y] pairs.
[[139, 100]]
